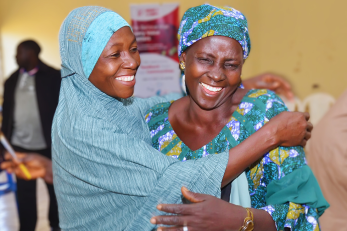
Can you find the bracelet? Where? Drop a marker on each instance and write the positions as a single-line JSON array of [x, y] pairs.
[[248, 223]]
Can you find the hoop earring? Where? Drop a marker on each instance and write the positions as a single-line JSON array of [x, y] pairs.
[[182, 65], [183, 84]]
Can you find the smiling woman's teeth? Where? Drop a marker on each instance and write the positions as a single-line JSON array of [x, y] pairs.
[[126, 78], [210, 88]]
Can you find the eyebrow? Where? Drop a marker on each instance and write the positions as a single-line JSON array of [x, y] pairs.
[[204, 53], [121, 44], [212, 56]]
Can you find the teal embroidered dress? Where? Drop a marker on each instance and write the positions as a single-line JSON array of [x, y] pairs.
[[255, 109]]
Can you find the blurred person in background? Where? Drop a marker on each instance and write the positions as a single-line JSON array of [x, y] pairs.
[[30, 98], [328, 160]]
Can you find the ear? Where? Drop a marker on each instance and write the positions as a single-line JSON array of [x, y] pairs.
[[183, 57]]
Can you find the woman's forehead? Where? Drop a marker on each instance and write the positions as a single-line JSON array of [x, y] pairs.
[[217, 44], [121, 36]]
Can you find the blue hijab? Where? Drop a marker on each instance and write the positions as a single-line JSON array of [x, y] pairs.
[[107, 176]]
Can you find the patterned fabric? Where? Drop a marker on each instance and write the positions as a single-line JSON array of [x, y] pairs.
[[107, 176], [255, 109], [206, 20]]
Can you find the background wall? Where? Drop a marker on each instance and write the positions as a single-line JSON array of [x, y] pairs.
[[301, 40]]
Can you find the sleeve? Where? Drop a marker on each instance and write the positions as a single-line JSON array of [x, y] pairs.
[[146, 104], [5, 111], [274, 167], [133, 176], [6, 107]]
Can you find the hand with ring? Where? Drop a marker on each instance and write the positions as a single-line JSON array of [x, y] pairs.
[[208, 213]]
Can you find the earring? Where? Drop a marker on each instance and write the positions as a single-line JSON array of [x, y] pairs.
[[182, 65], [183, 84]]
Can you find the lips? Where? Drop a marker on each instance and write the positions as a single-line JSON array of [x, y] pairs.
[[128, 78], [210, 89]]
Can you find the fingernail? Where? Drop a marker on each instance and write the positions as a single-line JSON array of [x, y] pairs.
[[153, 221], [159, 207]]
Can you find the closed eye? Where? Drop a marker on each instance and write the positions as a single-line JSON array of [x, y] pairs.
[[134, 49], [205, 60], [230, 65], [116, 55]]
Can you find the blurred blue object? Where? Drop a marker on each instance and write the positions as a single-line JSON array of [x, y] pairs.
[[9, 186]]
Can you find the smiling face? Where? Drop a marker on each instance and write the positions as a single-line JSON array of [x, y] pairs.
[[114, 73], [213, 70]]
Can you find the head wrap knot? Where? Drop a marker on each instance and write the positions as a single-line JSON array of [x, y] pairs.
[[206, 20]]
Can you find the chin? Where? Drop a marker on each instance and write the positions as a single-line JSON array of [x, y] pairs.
[[207, 105], [126, 94]]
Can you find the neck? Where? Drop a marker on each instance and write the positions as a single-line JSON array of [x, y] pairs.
[[201, 117]]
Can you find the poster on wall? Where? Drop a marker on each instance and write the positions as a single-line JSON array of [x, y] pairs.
[[155, 27]]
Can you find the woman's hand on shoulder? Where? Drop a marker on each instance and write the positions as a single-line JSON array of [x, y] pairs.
[[291, 128]]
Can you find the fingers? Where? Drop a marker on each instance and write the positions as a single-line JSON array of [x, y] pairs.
[[309, 127], [8, 156], [169, 220], [191, 196], [171, 229], [307, 136], [7, 166], [48, 179], [307, 115], [282, 86], [303, 143], [176, 208], [19, 174], [19, 156]]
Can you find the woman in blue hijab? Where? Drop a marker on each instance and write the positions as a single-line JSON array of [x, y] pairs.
[[106, 174]]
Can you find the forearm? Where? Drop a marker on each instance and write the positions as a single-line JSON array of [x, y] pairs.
[[263, 221], [249, 151]]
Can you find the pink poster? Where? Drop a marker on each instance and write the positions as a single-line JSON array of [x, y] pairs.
[[155, 27]]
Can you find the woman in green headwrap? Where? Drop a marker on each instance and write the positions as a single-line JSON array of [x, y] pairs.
[[217, 115], [107, 176]]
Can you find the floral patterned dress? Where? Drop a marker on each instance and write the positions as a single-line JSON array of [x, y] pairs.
[[256, 108]]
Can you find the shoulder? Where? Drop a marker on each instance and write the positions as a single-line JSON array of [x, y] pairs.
[[48, 69], [263, 94], [271, 102], [157, 111], [12, 79]]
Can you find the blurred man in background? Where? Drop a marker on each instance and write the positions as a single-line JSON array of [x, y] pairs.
[[30, 98]]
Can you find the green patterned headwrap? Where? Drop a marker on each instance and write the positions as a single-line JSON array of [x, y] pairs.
[[206, 20]]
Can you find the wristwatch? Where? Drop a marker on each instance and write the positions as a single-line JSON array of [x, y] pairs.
[[248, 223]]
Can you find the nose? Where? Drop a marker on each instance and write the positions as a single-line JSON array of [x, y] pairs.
[[216, 73], [130, 62]]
